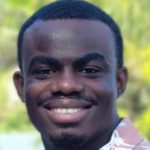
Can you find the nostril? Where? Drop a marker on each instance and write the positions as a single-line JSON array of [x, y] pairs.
[[62, 95]]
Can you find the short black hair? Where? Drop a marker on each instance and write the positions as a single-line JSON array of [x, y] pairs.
[[73, 9]]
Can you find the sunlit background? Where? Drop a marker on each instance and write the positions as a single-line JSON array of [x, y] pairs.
[[134, 21]]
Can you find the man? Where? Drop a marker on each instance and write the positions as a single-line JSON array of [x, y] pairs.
[[70, 55]]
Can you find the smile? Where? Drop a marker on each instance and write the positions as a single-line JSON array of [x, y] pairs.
[[67, 111]]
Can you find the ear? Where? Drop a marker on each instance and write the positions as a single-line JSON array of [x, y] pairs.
[[122, 78], [19, 84]]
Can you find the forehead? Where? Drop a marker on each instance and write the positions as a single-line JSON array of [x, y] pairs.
[[73, 37], [66, 24]]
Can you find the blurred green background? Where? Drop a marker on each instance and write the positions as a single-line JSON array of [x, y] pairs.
[[133, 19]]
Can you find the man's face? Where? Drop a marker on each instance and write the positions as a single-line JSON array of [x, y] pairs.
[[69, 81]]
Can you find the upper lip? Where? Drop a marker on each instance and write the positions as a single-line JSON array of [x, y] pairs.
[[66, 103]]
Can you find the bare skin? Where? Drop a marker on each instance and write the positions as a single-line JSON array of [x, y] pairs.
[[70, 82]]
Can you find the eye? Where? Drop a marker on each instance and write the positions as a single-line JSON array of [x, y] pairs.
[[91, 70], [43, 73]]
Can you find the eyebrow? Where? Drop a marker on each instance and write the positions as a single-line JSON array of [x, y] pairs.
[[54, 62], [43, 60], [89, 57]]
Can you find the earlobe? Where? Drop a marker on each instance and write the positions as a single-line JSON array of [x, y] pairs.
[[19, 84], [122, 79]]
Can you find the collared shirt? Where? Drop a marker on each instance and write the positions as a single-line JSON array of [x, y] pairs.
[[126, 137]]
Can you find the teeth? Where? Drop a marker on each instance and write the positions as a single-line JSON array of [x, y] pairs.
[[65, 110]]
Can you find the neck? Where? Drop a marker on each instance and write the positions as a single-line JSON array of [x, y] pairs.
[[103, 138]]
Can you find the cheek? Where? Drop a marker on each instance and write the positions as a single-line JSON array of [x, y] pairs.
[[103, 90], [33, 90], [105, 96], [32, 94], [35, 113], [101, 115]]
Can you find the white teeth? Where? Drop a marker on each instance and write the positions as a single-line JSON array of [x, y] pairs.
[[65, 110]]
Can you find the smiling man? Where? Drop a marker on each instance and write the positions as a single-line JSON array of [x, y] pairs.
[[70, 55]]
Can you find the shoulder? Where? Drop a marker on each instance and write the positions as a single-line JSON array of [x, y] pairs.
[[143, 145]]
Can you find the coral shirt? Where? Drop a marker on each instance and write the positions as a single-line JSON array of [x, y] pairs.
[[126, 137]]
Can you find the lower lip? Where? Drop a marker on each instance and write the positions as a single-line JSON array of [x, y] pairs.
[[75, 117]]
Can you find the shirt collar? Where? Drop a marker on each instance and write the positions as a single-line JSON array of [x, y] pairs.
[[124, 136]]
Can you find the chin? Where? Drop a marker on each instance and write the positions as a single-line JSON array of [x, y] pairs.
[[66, 140]]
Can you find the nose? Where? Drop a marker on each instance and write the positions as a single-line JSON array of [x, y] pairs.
[[67, 83]]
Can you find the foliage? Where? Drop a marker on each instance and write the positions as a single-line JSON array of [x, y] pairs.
[[144, 125], [12, 115], [133, 18], [130, 15]]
